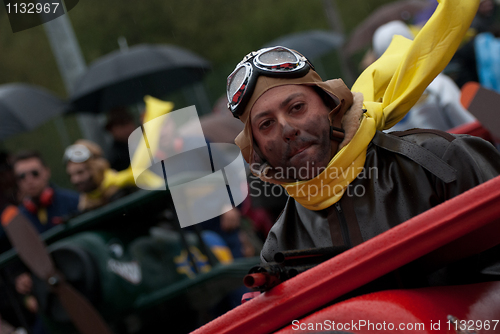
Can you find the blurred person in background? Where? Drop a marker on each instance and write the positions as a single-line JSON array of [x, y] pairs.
[[91, 175], [45, 205], [486, 16], [487, 52], [439, 107], [478, 60], [8, 196], [120, 125], [465, 63]]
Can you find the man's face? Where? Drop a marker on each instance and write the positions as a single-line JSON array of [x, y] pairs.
[[32, 176], [290, 126], [80, 176]]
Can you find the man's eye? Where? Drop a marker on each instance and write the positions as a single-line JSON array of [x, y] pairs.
[[297, 107], [264, 125]]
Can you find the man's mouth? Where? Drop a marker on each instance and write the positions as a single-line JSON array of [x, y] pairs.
[[300, 149]]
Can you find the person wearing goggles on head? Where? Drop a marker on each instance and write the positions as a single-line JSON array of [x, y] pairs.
[[90, 174], [323, 142]]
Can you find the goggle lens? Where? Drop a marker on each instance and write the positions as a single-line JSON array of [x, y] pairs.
[[276, 57], [236, 81], [77, 153], [237, 84]]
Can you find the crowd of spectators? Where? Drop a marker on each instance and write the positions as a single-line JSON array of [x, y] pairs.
[[97, 179]]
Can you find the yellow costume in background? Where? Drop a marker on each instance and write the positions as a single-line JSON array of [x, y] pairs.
[[154, 108], [109, 180]]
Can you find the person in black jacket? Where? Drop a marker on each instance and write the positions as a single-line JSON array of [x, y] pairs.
[[120, 125]]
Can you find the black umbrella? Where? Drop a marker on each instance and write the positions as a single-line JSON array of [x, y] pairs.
[[24, 107], [312, 44], [125, 77]]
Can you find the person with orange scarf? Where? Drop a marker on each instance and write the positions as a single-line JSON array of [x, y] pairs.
[[323, 142]]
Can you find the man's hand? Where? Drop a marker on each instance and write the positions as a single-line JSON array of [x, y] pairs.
[[24, 284]]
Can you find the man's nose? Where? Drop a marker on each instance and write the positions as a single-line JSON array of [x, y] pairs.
[[290, 132], [30, 178], [74, 179]]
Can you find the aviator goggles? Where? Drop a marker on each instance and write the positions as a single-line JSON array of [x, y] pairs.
[[276, 61], [77, 153]]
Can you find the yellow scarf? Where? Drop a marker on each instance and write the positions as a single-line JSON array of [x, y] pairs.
[[390, 86]]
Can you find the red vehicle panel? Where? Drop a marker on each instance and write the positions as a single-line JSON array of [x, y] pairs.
[[460, 227], [449, 309]]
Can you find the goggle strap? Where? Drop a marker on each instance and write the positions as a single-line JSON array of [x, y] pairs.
[[336, 134]]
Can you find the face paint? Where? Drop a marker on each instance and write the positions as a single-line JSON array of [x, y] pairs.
[[291, 128]]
